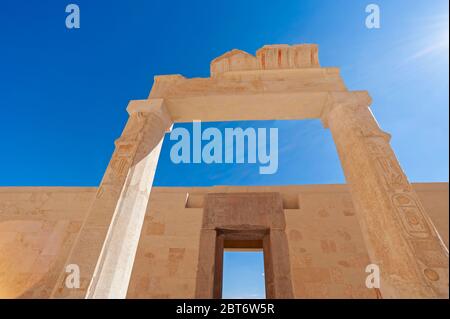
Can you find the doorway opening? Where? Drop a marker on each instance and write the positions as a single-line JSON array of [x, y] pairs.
[[243, 274], [243, 267]]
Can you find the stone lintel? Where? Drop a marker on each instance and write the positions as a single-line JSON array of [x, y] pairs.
[[251, 82], [285, 74], [251, 74], [258, 106]]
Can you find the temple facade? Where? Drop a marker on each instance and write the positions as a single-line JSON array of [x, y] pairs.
[[131, 240]]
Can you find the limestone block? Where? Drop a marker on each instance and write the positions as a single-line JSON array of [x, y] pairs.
[[234, 60]]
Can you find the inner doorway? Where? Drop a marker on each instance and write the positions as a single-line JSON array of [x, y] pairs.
[[242, 265], [243, 221], [243, 274]]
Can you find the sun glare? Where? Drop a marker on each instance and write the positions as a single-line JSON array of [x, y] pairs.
[[434, 41]]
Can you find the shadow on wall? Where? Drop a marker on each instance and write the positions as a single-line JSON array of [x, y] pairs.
[[32, 254]]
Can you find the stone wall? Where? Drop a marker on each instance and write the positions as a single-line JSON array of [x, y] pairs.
[[166, 260], [327, 255], [327, 252], [326, 248], [38, 226]]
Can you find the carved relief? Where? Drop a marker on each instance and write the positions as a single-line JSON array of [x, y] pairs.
[[395, 179], [126, 147], [419, 235], [404, 200], [431, 274], [122, 158], [429, 253], [133, 128], [411, 216], [287, 57], [119, 166]]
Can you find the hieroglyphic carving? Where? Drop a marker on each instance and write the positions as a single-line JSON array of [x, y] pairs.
[[119, 166], [418, 231], [133, 128], [137, 132], [385, 198], [126, 147], [401, 194], [429, 253], [411, 216], [395, 179]]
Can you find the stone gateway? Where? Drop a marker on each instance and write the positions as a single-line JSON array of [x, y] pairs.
[[130, 240]]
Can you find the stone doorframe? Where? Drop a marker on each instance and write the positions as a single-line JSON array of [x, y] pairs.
[[282, 82], [243, 220], [241, 237]]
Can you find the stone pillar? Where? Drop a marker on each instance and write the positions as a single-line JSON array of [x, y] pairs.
[[399, 235], [106, 245]]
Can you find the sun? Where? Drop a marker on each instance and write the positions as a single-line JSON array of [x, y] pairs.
[[434, 40]]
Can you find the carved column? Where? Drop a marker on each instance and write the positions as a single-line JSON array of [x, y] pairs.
[[399, 235], [106, 245]]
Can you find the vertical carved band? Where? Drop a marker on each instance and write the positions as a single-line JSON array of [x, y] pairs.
[[362, 144]]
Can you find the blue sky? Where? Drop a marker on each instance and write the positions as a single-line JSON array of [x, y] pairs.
[[63, 93], [243, 275]]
